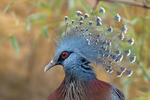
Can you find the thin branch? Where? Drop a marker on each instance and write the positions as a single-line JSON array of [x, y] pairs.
[[130, 3], [96, 4]]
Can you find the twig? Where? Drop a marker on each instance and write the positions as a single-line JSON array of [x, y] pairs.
[[130, 3], [95, 6], [143, 70]]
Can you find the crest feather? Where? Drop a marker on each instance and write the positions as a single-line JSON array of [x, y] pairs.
[[93, 38]]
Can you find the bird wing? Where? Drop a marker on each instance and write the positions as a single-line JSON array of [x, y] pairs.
[[53, 96], [117, 94]]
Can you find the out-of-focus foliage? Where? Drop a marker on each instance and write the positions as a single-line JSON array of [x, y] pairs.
[[31, 27], [14, 43]]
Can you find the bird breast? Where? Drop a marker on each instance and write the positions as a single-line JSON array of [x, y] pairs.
[[90, 90], [74, 91]]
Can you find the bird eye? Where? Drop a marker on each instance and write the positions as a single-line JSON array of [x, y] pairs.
[[64, 55]]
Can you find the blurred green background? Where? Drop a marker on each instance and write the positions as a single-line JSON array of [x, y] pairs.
[[28, 37]]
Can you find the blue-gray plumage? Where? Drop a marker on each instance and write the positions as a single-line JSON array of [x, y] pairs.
[[82, 44]]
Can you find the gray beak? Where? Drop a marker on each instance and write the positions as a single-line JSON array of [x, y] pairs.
[[49, 66]]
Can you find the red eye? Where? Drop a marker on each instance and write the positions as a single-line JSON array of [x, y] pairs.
[[64, 55]]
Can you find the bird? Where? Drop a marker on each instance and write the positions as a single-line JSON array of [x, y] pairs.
[[86, 40]]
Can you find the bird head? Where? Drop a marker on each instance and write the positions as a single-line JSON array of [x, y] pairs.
[[75, 54], [87, 40]]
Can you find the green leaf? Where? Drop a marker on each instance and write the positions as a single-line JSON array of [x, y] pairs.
[[71, 4], [125, 81], [52, 2], [37, 16], [84, 5], [38, 4], [96, 12], [45, 32], [134, 21], [58, 3], [142, 99], [60, 31], [7, 7], [103, 4], [14, 44], [28, 24], [112, 9], [34, 17], [46, 6]]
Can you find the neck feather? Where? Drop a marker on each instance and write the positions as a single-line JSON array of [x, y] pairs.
[[83, 90], [72, 89], [79, 73]]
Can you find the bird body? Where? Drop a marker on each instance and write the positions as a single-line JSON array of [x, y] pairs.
[[85, 41], [86, 90]]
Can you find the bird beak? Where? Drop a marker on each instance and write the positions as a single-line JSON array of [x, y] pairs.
[[49, 66]]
